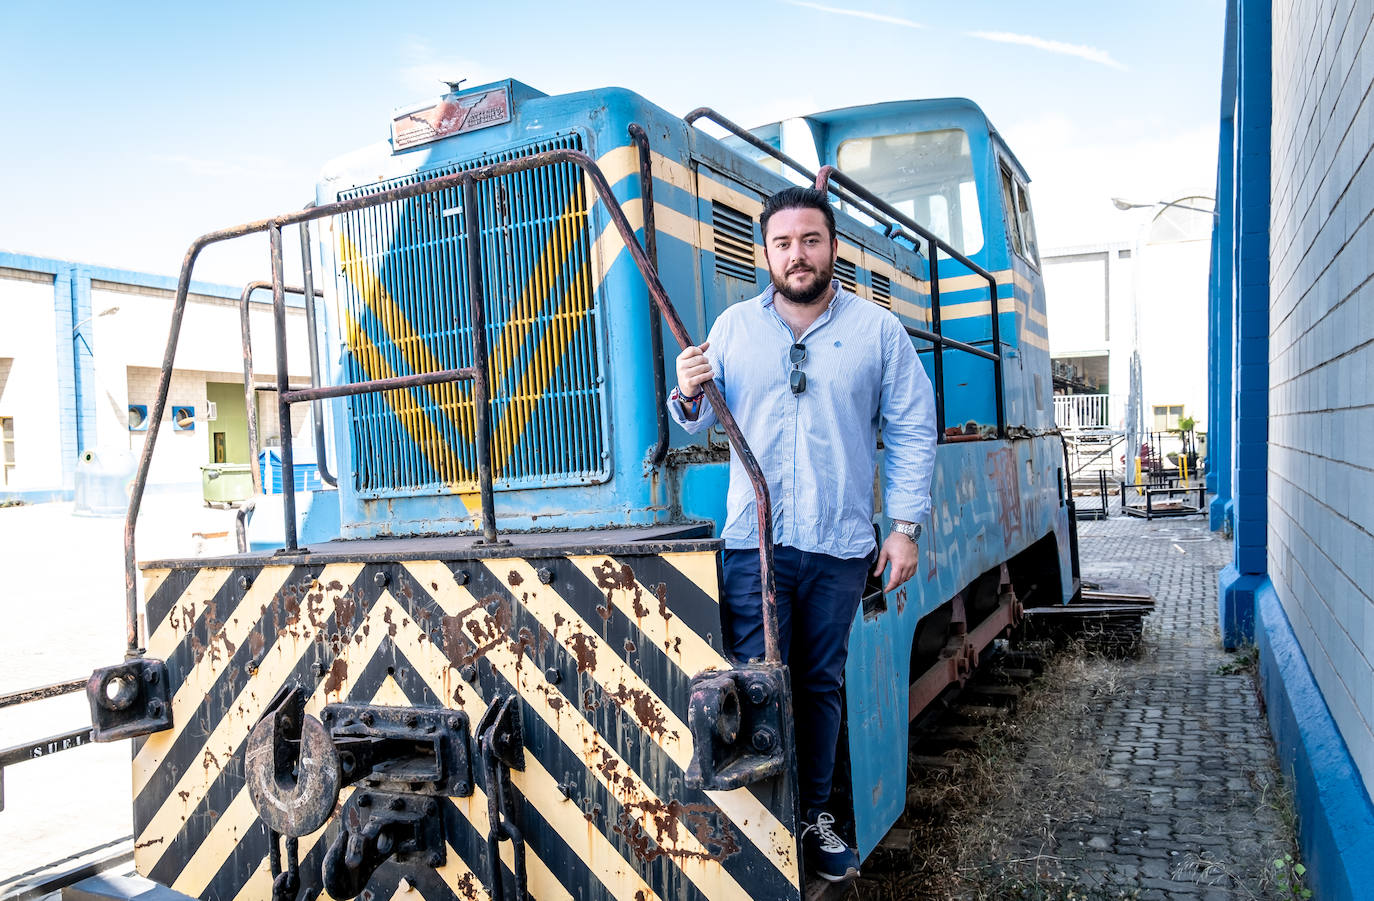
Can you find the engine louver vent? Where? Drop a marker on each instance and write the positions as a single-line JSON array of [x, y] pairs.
[[734, 236], [847, 273], [882, 290]]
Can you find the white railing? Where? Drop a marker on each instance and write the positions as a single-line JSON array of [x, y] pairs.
[[1080, 411]]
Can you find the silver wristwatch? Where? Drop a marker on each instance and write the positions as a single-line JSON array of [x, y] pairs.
[[911, 530]]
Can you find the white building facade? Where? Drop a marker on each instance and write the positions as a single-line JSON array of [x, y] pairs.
[[81, 350]]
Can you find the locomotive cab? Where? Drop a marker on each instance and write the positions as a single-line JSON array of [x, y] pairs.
[[942, 163]]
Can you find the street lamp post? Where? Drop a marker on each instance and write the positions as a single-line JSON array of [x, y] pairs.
[[1135, 410]]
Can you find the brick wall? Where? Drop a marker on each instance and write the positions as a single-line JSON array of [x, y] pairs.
[[1321, 352]]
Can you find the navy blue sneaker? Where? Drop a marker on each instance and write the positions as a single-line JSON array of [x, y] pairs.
[[833, 860]]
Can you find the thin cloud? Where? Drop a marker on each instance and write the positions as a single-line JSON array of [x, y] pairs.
[[857, 13], [1091, 54]]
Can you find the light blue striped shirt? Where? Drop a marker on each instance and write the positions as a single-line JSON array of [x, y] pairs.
[[818, 449]]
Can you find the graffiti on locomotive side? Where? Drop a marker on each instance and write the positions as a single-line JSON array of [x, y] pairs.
[[1007, 481]]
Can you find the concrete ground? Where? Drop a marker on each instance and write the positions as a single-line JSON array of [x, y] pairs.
[[63, 616]]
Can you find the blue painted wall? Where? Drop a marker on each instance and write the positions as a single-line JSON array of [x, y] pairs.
[[1248, 265], [1292, 322]]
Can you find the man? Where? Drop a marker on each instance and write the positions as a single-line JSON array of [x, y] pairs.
[[812, 372]]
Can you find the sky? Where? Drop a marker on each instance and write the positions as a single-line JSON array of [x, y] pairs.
[[129, 129]]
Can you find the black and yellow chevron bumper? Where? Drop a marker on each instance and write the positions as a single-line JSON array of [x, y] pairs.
[[599, 648]]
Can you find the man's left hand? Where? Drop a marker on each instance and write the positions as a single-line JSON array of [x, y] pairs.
[[902, 553]]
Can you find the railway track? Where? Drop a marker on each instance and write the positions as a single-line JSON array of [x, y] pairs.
[[942, 741]]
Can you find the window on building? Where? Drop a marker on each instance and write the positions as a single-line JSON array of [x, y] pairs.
[[1167, 417], [6, 449]]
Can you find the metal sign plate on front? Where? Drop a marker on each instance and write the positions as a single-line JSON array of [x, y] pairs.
[[452, 115]]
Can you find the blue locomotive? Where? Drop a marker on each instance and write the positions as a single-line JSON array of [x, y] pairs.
[[489, 663]]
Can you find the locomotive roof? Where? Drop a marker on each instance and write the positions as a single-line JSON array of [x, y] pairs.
[[930, 108]]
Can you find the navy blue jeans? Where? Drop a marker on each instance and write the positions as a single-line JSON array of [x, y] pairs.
[[817, 598]]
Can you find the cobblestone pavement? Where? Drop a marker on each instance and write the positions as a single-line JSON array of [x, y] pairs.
[[1189, 803]]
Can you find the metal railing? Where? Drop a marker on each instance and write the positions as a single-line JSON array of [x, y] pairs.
[[1081, 411], [467, 181], [308, 294], [832, 180]]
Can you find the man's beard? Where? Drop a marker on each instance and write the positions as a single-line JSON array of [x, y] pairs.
[[810, 294]]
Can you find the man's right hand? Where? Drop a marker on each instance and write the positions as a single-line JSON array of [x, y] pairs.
[[693, 370]]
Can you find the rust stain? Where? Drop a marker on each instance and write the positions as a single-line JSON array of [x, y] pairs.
[[255, 644], [457, 648], [469, 888], [338, 674], [710, 827], [514, 578], [344, 611], [150, 842], [390, 626], [630, 647], [583, 647], [209, 759], [661, 592], [643, 706], [611, 577]]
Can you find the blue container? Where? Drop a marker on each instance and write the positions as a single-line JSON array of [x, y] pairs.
[[307, 473]]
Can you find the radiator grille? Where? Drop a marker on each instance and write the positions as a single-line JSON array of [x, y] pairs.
[[847, 273], [882, 290], [734, 238], [404, 309]]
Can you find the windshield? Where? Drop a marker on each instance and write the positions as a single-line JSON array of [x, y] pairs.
[[926, 175]]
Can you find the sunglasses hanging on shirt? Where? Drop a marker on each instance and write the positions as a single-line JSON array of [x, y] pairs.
[[797, 355]]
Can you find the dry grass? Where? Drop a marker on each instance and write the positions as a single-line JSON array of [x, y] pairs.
[[987, 828]]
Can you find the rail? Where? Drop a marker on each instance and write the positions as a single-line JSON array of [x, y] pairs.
[[477, 373], [831, 180], [308, 294]]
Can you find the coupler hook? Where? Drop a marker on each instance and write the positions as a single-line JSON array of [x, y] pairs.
[[501, 744]]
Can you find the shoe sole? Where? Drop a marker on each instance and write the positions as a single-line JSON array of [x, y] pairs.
[[849, 875]]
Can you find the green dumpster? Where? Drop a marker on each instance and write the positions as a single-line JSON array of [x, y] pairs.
[[226, 483]]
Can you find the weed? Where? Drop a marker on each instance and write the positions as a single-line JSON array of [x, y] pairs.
[[1288, 875], [1245, 661], [11, 502]]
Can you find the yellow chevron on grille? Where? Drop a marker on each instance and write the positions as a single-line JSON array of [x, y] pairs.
[[410, 414]]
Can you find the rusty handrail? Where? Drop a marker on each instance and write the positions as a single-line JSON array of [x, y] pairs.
[[659, 453], [57, 689], [467, 180], [824, 177], [249, 392], [753, 140], [855, 194]]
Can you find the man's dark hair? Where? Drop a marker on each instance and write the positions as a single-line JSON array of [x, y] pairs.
[[797, 198]]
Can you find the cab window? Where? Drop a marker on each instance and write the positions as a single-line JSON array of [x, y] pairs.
[[926, 175], [1020, 222]]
